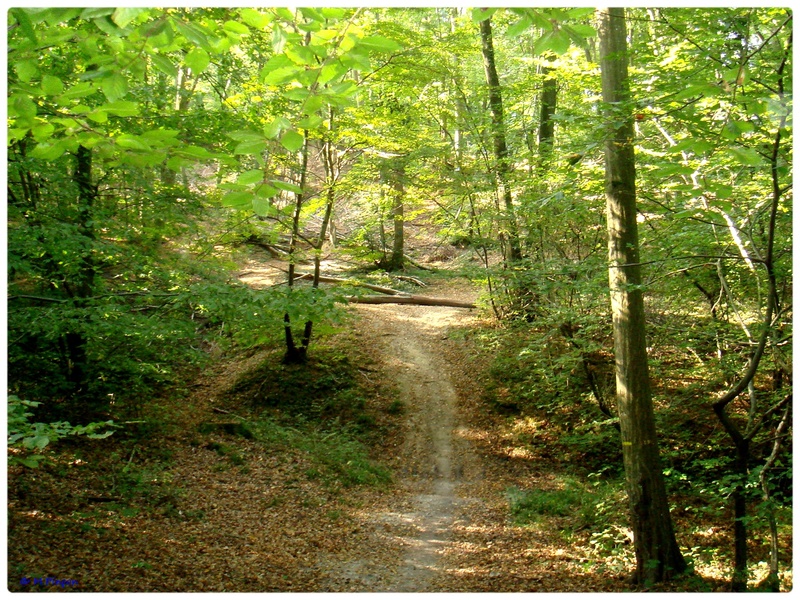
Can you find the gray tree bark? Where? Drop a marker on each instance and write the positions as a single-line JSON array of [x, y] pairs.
[[657, 554], [503, 167]]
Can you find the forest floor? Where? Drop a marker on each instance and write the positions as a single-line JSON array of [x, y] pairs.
[[227, 515], [182, 512]]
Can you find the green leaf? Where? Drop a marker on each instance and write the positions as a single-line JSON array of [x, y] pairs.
[[378, 43], [276, 62], [279, 75], [698, 147], [324, 36], [197, 60], [24, 24], [333, 13], [285, 14], [278, 125], [24, 106], [331, 71], [254, 146], [161, 135], [193, 33], [300, 55], [31, 461], [746, 156], [310, 122], [156, 28], [279, 38], [96, 13], [287, 187], [250, 177], [584, 31], [98, 116], [674, 169], [577, 13], [292, 141], [99, 436], [40, 441], [245, 135], [721, 191], [481, 14], [555, 41], [164, 64], [26, 70], [237, 200], [43, 132], [263, 206], [193, 152], [312, 14], [313, 104], [234, 27], [122, 108], [255, 19], [177, 163], [52, 86], [79, 90], [131, 142], [123, 16], [47, 151], [519, 27], [114, 87], [266, 191]]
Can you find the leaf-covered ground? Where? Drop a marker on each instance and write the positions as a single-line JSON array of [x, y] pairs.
[[195, 503]]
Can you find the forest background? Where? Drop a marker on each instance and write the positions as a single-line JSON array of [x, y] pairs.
[[150, 149]]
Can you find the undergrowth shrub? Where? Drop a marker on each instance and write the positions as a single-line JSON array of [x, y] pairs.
[[336, 453]]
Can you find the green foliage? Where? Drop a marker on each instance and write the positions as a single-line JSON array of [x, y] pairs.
[[337, 455], [325, 389], [593, 505], [33, 437]]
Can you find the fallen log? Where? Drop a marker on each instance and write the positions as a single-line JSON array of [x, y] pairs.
[[416, 264], [392, 297], [410, 299], [415, 280], [369, 286]]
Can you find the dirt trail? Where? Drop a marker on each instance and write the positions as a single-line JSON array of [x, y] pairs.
[[433, 466], [433, 458]]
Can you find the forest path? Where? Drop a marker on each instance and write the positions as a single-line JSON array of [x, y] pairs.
[[445, 525], [432, 459]]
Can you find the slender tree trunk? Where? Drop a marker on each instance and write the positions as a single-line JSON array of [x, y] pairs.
[[503, 166], [657, 554], [296, 354], [82, 286], [392, 175], [398, 197], [331, 176], [742, 439], [547, 109]]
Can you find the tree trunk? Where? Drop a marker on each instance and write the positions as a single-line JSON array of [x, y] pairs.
[[503, 167], [82, 286], [398, 197], [392, 175], [331, 175], [742, 439], [547, 109], [296, 354], [657, 554]]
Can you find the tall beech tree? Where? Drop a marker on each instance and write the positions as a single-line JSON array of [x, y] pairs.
[[502, 173], [657, 554]]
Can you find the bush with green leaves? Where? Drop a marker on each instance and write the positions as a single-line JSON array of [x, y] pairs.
[[30, 438]]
